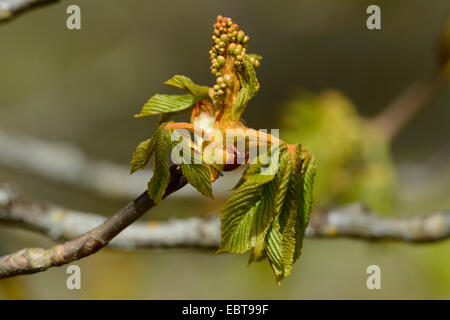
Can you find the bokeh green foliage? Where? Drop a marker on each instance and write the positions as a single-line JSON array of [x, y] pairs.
[[353, 156]]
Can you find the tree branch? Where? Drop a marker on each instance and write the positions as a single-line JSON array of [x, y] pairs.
[[27, 261], [59, 224], [11, 8], [408, 103]]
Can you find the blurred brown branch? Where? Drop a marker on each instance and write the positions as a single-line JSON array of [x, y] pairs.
[[11, 8], [59, 224], [33, 260], [409, 102]]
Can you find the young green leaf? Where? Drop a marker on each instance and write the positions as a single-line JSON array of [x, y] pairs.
[[142, 155], [161, 173], [197, 173], [246, 217], [281, 236], [199, 176], [285, 237], [249, 87], [254, 171], [164, 103], [185, 83], [277, 232], [306, 199]]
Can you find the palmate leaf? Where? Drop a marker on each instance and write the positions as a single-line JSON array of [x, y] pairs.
[[199, 175], [168, 104], [270, 216]]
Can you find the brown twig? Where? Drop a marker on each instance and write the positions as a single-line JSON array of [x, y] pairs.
[[32, 260], [352, 221]]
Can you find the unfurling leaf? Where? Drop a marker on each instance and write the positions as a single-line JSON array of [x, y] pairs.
[[142, 155], [187, 84], [198, 174], [270, 215], [285, 238], [164, 103], [161, 173], [167, 104], [249, 87]]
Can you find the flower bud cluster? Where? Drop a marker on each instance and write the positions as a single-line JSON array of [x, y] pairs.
[[230, 46]]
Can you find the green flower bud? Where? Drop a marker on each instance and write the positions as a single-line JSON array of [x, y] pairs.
[[220, 80], [240, 35], [221, 60], [231, 48], [227, 79], [246, 39], [238, 49], [224, 37], [223, 85], [256, 63]]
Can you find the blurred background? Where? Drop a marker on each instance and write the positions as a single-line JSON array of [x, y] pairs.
[[83, 87]]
